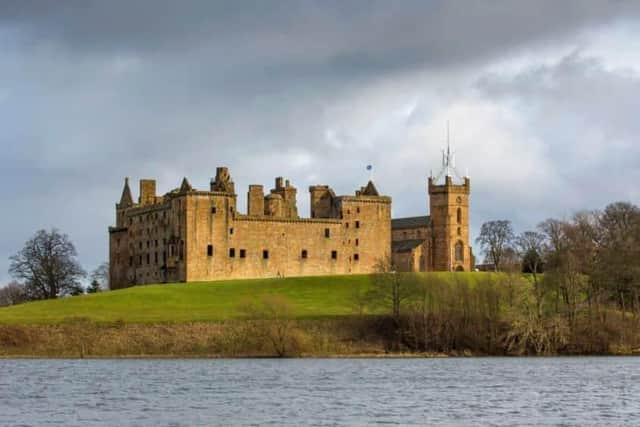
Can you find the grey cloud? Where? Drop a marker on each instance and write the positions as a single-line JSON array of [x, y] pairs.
[[585, 118], [92, 91]]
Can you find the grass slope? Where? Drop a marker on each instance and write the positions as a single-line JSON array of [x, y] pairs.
[[312, 297]]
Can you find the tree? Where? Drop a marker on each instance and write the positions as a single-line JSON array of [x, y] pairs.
[[48, 266], [94, 287], [495, 239], [101, 276], [531, 245], [618, 252], [271, 320], [12, 294], [389, 289]]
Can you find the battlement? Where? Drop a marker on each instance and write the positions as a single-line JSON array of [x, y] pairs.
[[449, 186]]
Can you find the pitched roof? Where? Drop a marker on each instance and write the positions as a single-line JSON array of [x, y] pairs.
[[126, 199], [411, 222], [370, 190], [406, 245], [185, 186]]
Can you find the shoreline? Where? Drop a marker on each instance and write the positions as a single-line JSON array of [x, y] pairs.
[[364, 356]]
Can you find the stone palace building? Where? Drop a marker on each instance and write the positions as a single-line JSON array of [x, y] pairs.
[[194, 235]]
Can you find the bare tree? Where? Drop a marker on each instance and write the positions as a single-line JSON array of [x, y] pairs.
[[12, 294], [619, 251], [495, 239], [271, 320], [48, 266], [390, 289]]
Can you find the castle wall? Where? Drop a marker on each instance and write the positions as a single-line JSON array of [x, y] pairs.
[[357, 249]]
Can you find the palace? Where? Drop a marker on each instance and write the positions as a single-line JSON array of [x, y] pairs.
[[191, 235]]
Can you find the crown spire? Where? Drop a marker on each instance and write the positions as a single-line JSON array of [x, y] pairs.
[[448, 161]]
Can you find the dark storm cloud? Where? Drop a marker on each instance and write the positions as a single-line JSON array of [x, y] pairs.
[[344, 36], [92, 91]]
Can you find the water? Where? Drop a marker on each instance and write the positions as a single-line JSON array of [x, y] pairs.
[[407, 392]]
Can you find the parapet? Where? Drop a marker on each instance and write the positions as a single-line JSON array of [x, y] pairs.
[[449, 186]]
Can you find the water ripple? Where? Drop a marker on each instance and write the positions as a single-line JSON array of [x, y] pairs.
[[384, 392]]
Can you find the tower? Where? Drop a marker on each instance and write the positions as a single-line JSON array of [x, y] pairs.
[[449, 209]]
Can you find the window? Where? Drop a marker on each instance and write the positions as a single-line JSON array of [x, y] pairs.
[[334, 254], [243, 253], [459, 251], [148, 258], [130, 261], [155, 258], [147, 244], [358, 209], [459, 231], [231, 231], [232, 253], [357, 242], [357, 224], [156, 243], [139, 259], [346, 224], [459, 216], [231, 209], [327, 233], [265, 254], [356, 257], [213, 210], [140, 245], [304, 254], [209, 250]]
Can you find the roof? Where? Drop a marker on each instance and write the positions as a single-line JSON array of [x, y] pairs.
[[369, 190], [406, 245], [411, 222]]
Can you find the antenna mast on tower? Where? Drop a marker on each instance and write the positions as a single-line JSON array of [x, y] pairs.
[[448, 161]]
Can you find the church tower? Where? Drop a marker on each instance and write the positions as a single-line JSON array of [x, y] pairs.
[[449, 210]]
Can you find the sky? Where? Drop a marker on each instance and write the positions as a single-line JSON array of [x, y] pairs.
[[542, 100]]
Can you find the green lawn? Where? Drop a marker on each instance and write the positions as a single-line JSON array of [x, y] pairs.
[[312, 297]]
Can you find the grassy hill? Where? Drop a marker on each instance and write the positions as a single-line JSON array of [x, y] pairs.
[[312, 297]]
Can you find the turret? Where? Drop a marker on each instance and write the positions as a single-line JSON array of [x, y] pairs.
[[289, 194], [223, 181], [322, 201], [147, 192], [274, 206], [255, 200]]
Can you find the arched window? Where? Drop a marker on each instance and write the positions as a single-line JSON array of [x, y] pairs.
[[459, 251], [459, 216]]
